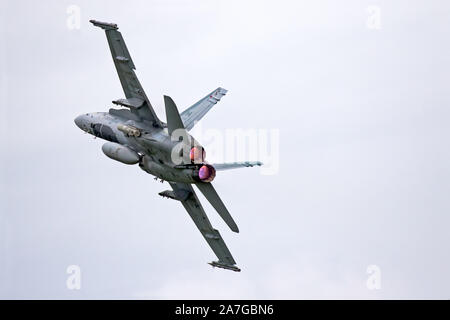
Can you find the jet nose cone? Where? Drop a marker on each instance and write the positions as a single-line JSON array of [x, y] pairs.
[[79, 122]]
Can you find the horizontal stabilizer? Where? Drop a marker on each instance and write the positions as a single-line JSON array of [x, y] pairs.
[[211, 195], [235, 165]]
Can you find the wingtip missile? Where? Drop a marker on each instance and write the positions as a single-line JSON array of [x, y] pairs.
[[224, 266], [104, 25]]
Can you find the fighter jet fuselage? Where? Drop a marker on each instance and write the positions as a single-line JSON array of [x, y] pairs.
[[136, 135], [132, 142]]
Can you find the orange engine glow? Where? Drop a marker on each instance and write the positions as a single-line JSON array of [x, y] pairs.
[[197, 155]]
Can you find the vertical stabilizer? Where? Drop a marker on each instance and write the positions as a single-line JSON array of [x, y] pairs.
[[173, 117]]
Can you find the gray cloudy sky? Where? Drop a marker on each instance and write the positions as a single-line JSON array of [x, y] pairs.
[[364, 154]]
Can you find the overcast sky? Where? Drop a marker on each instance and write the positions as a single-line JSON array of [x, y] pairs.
[[361, 102]]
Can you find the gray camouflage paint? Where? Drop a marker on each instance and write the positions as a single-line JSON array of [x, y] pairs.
[[138, 136]]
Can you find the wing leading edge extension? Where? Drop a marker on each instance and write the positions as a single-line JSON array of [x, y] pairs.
[[186, 195], [136, 99]]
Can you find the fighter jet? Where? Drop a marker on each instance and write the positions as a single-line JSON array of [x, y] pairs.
[[136, 135]]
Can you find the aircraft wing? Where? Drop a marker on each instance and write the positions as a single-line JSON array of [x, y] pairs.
[[136, 99], [235, 165], [186, 195], [193, 114]]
